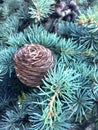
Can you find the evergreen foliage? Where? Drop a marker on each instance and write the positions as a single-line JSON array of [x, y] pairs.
[[68, 97], [40, 9]]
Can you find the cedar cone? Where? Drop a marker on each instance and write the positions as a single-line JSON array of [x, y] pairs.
[[31, 62]]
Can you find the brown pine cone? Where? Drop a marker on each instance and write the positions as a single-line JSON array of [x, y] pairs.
[[31, 62]]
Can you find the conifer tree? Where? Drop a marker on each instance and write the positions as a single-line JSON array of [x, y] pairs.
[[48, 64]]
